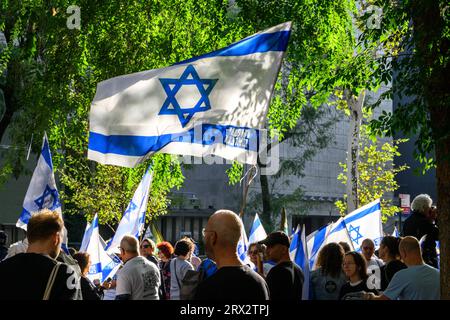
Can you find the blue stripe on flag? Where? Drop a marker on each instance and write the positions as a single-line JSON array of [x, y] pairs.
[[141, 145], [276, 41], [255, 226], [25, 216], [46, 154], [360, 215]]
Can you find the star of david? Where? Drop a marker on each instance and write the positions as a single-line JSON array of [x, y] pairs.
[[358, 235], [130, 208], [189, 77], [45, 200]]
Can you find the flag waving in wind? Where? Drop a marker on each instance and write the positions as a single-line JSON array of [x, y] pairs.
[[257, 232], [299, 254], [211, 104], [103, 265], [42, 192], [133, 219]]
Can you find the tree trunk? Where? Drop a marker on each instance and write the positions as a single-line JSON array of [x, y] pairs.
[[431, 47], [265, 194], [355, 106]]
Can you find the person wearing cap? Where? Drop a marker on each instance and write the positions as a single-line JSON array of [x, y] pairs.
[[285, 279]]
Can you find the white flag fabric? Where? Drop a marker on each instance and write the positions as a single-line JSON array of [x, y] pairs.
[[339, 233], [103, 265], [257, 232], [364, 223], [42, 192], [211, 104], [86, 238], [395, 233], [315, 241], [133, 220]]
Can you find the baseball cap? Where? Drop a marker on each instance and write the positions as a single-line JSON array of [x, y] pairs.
[[277, 237]]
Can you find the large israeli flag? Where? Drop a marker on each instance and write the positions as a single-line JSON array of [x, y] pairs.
[[257, 232], [364, 223], [42, 192], [211, 104], [103, 265], [133, 220]]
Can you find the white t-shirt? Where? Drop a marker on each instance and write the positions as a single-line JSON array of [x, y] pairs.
[[138, 278]]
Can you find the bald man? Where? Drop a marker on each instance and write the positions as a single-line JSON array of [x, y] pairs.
[[232, 280], [417, 282], [139, 279]]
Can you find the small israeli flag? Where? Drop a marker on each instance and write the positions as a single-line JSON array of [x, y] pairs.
[[257, 232], [395, 233], [242, 248], [133, 220], [103, 265], [299, 254], [212, 104], [42, 192]]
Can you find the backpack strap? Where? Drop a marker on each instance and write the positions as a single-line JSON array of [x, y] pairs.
[[176, 277], [51, 281]]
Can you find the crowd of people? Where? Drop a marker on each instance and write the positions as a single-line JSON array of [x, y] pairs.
[[402, 268]]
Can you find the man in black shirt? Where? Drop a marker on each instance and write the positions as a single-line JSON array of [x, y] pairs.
[[232, 280], [25, 276], [285, 280], [421, 225]]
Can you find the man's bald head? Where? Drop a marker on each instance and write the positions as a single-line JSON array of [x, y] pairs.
[[130, 244], [410, 245], [227, 226], [410, 252]]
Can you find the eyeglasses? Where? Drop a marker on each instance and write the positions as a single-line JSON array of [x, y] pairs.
[[204, 231], [145, 246]]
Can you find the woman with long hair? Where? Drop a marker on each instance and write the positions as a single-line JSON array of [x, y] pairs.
[[355, 268], [328, 279]]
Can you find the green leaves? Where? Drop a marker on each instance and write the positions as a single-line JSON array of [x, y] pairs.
[[377, 173]]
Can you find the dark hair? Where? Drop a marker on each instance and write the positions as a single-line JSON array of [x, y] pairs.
[[43, 225], [183, 247], [391, 243], [345, 246], [330, 259], [82, 259], [360, 262], [165, 248]]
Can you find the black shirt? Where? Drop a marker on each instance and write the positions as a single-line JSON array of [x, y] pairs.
[[388, 271], [90, 292], [233, 283], [347, 290], [285, 281], [25, 276]]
